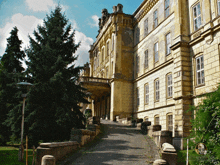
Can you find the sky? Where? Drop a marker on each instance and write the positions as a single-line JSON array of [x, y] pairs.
[[82, 15]]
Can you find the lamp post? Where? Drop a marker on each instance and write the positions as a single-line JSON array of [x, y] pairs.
[[23, 85]]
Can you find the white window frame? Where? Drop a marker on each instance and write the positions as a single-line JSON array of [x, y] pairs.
[[156, 54], [157, 90], [169, 86], [167, 8], [155, 18], [146, 88], [168, 43], [197, 19], [200, 77], [146, 59]]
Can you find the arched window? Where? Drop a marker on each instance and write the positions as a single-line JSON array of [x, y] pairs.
[[156, 120]]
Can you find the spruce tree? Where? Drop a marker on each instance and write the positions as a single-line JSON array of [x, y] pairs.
[[10, 73], [52, 109]]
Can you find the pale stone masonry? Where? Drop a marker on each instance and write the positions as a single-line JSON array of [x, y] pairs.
[[154, 63]]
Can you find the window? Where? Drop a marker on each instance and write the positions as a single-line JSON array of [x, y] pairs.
[[168, 44], [138, 63], [103, 54], [157, 90], [156, 57], [169, 86], [155, 19], [106, 72], [146, 59], [146, 94], [156, 120], [200, 70], [146, 27], [107, 49], [167, 8], [169, 122], [219, 7], [137, 34], [197, 16], [113, 42], [146, 118], [138, 99]]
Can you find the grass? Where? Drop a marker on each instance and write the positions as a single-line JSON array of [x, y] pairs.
[[9, 156], [193, 157]]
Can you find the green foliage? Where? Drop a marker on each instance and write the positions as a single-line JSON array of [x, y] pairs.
[[52, 108], [206, 127], [10, 74]]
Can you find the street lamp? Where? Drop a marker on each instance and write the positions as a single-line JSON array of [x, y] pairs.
[[25, 86]]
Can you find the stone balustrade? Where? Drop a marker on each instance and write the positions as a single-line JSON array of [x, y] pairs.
[[57, 149], [161, 137]]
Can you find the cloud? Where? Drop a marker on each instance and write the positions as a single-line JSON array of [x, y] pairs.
[[43, 5], [25, 25], [82, 51], [40, 5], [95, 23], [74, 24]]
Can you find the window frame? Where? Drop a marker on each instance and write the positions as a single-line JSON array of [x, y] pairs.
[[137, 97], [146, 27], [146, 94], [156, 53], [146, 118], [166, 8], [195, 28], [218, 7], [169, 85], [157, 90], [137, 64], [169, 123], [137, 35], [200, 70], [168, 44], [155, 120], [155, 18]]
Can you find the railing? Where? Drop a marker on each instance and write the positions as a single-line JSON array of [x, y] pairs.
[[94, 79]]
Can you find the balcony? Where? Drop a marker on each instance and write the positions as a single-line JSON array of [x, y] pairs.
[[96, 86]]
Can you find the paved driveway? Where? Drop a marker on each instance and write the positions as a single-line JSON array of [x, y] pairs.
[[120, 145]]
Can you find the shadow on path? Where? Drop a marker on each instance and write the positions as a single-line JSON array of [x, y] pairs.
[[118, 144]]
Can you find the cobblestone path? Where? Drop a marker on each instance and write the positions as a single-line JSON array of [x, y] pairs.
[[120, 145]]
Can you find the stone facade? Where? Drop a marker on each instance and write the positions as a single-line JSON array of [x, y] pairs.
[[155, 62]]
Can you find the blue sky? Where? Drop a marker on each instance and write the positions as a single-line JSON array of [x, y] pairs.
[[82, 14]]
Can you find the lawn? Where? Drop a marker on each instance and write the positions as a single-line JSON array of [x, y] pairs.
[[193, 157], [9, 156]]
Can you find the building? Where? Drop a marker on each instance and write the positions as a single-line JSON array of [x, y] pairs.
[[154, 63]]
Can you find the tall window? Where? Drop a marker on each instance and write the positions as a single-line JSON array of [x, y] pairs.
[[155, 19], [156, 56], [113, 42], [146, 118], [219, 7], [167, 8], [145, 27], [200, 70], [103, 54], [197, 16], [146, 59], [156, 120], [146, 93], [168, 44], [138, 99], [107, 49], [169, 122], [169, 86], [137, 35], [138, 63], [157, 90]]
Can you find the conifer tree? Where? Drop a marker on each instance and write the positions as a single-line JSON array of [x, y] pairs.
[[52, 109], [10, 74]]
